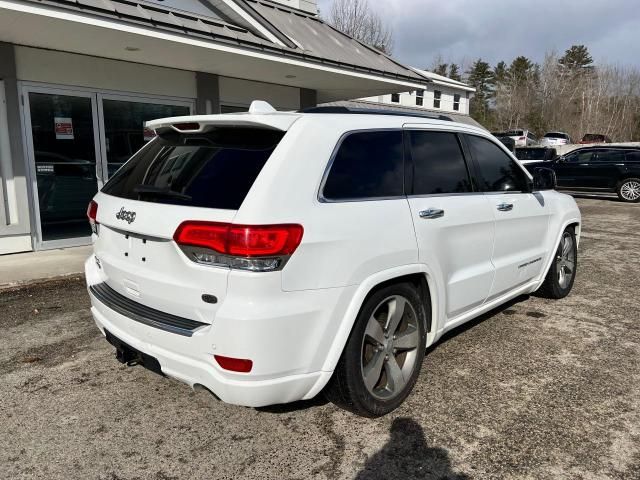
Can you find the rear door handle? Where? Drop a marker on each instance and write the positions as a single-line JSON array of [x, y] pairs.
[[431, 213], [505, 207]]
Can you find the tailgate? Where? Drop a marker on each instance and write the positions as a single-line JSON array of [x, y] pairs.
[[142, 262]]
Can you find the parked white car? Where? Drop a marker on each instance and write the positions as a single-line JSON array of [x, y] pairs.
[[268, 257], [521, 138], [553, 139]]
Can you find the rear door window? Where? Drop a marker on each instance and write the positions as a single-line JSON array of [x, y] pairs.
[[367, 165], [610, 156], [498, 172], [213, 170], [438, 163]]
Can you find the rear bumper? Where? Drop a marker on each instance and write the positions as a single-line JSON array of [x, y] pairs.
[[287, 337]]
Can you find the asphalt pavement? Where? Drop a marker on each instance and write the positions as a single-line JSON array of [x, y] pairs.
[[537, 389]]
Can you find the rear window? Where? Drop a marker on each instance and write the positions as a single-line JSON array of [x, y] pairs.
[[215, 169], [534, 154], [555, 135], [367, 165], [594, 137], [515, 133]]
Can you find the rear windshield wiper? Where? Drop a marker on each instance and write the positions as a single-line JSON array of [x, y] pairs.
[[161, 192]]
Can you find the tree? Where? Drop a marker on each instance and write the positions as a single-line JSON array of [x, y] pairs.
[[358, 20], [500, 73], [520, 70], [480, 76], [454, 72], [577, 58], [441, 69]]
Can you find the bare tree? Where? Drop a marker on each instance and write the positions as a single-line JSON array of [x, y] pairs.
[[357, 19]]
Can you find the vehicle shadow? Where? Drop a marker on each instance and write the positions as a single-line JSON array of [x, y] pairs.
[[478, 320], [407, 455], [318, 401]]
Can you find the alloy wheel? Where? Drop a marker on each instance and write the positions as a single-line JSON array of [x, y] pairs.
[[390, 347], [630, 190], [566, 260]]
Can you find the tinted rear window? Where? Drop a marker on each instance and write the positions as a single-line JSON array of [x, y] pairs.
[[534, 154], [213, 170], [367, 165], [555, 135]]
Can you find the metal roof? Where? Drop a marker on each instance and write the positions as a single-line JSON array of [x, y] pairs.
[[310, 39], [318, 39]]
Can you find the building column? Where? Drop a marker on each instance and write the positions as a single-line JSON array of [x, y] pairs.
[[308, 98], [15, 229], [208, 91]]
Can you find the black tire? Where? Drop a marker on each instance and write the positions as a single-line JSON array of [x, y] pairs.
[[626, 189], [553, 287], [347, 387]]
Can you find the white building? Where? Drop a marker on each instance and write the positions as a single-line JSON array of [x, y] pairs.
[[78, 79], [441, 95]]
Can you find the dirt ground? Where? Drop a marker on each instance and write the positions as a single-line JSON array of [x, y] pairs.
[[536, 390]]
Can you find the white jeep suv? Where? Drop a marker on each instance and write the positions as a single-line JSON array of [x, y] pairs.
[[268, 257]]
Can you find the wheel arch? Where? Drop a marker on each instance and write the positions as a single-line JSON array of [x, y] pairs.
[[418, 274], [576, 223]]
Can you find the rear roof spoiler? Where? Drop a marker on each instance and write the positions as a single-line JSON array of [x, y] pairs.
[[201, 123]]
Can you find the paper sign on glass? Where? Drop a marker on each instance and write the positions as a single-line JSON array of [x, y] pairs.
[[64, 128]]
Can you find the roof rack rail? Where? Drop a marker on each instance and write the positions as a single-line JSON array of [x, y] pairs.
[[374, 111]]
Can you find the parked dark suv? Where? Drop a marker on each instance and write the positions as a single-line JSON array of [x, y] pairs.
[[599, 169]]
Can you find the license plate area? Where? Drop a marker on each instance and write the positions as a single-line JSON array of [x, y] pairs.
[[131, 357]]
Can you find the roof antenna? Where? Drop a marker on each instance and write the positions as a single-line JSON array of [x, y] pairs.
[[260, 107]]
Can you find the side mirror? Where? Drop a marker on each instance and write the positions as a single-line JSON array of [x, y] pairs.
[[544, 179]]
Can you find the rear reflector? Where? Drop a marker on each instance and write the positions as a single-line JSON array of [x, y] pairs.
[[241, 240], [234, 364]]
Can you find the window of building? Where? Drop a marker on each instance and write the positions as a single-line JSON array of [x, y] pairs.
[[437, 96], [395, 97], [367, 165], [456, 102], [439, 166], [498, 172], [420, 98]]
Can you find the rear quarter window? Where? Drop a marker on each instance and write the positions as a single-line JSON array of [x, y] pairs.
[[366, 165], [212, 170]]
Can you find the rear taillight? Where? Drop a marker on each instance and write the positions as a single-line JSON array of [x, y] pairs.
[[522, 138], [246, 247], [92, 214], [234, 364]]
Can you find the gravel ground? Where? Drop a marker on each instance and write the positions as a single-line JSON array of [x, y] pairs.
[[538, 389]]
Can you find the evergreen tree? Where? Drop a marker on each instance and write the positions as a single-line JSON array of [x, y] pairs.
[[454, 72], [500, 73], [521, 70], [441, 69], [577, 58], [480, 76]]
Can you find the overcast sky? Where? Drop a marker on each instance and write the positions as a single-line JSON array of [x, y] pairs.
[[463, 30]]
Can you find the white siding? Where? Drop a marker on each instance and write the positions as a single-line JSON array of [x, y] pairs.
[[63, 68], [240, 93], [408, 99]]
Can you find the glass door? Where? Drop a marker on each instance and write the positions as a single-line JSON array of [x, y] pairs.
[[62, 131], [123, 119], [76, 140]]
